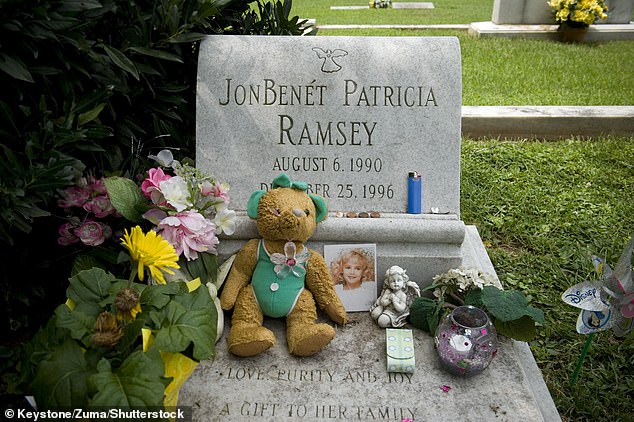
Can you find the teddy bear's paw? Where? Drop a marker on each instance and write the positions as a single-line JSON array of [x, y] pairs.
[[250, 341], [306, 340]]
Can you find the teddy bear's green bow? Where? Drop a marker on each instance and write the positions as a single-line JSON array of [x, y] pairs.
[[284, 181]]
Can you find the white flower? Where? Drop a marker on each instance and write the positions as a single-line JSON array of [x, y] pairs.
[[464, 279], [165, 158], [440, 291], [176, 193], [225, 222]]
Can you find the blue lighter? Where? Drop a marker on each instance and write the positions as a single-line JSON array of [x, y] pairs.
[[414, 193]]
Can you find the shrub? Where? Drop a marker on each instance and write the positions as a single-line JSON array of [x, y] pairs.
[[94, 85]]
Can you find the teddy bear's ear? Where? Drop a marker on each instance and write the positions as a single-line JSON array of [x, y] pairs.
[[254, 201], [320, 207]]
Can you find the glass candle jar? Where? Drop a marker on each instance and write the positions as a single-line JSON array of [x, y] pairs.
[[466, 341]]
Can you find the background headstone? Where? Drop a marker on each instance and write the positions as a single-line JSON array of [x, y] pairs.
[[336, 113], [538, 12]]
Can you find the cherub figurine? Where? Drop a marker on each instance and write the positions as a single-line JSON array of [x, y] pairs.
[[392, 307]]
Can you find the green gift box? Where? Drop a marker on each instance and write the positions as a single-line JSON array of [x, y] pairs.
[[400, 350]]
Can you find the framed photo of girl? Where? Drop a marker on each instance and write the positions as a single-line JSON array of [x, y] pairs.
[[353, 271]]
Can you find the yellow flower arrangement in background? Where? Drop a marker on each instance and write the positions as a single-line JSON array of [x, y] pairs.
[[578, 13]]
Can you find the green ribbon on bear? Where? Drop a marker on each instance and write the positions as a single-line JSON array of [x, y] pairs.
[[284, 181]]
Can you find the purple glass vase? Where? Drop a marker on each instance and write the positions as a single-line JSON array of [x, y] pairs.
[[466, 341]]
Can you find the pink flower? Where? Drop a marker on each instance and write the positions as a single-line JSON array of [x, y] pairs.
[[66, 234], [74, 196], [217, 190], [627, 310], [93, 233], [154, 215], [189, 232], [151, 185], [97, 186], [100, 206]]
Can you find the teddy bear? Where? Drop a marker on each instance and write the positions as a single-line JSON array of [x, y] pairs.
[[278, 276]]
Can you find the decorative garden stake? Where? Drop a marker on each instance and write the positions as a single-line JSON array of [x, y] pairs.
[[607, 303]]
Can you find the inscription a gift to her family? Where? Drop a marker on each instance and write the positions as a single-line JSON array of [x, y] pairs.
[[334, 112]]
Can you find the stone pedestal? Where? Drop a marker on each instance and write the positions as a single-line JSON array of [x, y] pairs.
[[425, 245], [348, 380]]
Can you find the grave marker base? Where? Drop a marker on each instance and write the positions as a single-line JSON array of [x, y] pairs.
[[348, 380]]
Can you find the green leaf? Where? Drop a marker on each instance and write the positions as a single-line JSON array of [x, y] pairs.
[[187, 38], [509, 305], [41, 348], [88, 288], [139, 381], [78, 323], [425, 313], [126, 197], [84, 262], [473, 297], [159, 54], [62, 380], [505, 305], [159, 295], [131, 334], [79, 5], [205, 267], [90, 115], [121, 60], [190, 318], [522, 329], [15, 68]]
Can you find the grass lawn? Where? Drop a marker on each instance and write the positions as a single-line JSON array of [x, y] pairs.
[[502, 71], [542, 208], [444, 12]]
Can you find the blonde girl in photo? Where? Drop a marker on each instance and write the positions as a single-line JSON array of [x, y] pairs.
[[352, 267]]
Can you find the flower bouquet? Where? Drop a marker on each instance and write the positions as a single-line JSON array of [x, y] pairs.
[[578, 13], [133, 341], [508, 309], [115, 341]]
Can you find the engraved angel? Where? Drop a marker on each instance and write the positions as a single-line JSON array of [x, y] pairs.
[[392, 307], [329, 65]]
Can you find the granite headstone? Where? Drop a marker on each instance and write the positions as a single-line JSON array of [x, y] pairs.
[[525, 12], [349, 115]]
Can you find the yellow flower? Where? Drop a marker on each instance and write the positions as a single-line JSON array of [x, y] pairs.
[[150, 250]]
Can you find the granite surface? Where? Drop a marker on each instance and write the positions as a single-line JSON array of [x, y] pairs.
[[336, 113], [349, 380]]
